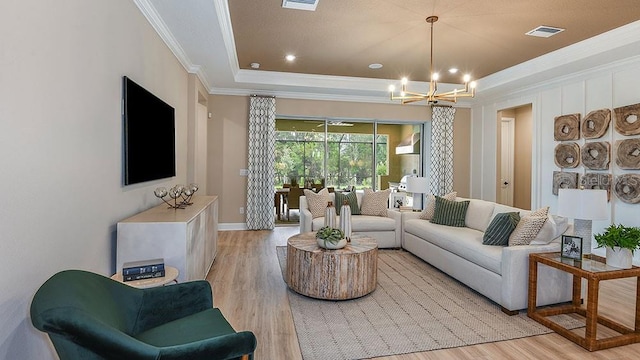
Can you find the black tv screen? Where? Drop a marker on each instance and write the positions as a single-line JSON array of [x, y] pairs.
[[149, 135]]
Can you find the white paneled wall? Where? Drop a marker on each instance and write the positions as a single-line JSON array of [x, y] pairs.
[[608, 86]]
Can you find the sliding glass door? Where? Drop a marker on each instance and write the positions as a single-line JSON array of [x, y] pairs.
[[344, 153]]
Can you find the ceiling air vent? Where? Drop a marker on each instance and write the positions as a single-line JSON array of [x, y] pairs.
[[544, 31], [300, 4]]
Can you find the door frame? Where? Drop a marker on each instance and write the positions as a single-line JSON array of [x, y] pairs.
[[508, 159]]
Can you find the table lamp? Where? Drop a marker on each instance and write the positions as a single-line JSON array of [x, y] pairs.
[[583, 206], [418, 186]]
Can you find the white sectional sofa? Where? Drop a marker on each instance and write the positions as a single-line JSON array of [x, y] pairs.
[[387, 231], [500, 273]]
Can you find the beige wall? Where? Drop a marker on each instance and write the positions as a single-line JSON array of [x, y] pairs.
[[227, 152], [60, 108]]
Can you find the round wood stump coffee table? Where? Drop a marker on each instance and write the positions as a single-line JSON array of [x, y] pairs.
[[347, 273]]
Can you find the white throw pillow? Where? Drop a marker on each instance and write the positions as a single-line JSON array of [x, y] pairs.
[[430, 207], [375, 203], [552, 228], [317, 202]]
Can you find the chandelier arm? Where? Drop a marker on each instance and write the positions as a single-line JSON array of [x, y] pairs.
[[432, 96]]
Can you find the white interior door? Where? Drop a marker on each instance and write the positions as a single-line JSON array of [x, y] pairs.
[[507, 159]]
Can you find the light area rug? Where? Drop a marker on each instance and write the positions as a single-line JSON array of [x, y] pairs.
[[414, 308]]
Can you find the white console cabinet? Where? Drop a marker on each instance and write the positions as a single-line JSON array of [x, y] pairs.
[[185, 238]]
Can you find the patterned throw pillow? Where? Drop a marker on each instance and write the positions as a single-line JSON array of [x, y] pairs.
[[375, 203], [351, 199], [317, 202], [450, 213], [500, 228], [430, 207], [528, 227]]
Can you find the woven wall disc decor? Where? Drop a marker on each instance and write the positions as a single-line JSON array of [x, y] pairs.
[[627, 188], [564, 180], [596, 155], [567, 155], [628, 119], [596, 123], [597, 181], [566, 127], [628, 154]]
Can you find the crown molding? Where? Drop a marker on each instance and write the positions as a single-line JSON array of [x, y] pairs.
[[150, 13]]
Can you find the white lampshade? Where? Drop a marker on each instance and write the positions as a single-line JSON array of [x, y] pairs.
[[583, 204], [417, 184]]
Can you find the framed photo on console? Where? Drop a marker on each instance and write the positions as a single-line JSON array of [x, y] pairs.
[[571, 247]]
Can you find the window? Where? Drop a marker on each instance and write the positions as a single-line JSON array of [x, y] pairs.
[[341, 154]]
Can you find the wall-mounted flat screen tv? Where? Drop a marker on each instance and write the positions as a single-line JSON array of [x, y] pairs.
[[149, 135]]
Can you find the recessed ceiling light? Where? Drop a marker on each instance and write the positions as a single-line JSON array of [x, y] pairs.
[[375, 66], [453, 70], [290, 57], [255, 65]]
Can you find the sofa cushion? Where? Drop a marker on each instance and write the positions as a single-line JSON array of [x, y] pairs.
[[450, 213], [500, 228], [479, 214], [362, 223], [529, 227], [461, 241], [375, 203], [317, 202], [551, 230], [350, 198], [430, 205]]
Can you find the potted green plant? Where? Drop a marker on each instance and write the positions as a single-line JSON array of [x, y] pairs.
[[330, 238], [620, 242]]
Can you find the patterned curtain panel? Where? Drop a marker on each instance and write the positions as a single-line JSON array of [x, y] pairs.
[[262, 143], [441, 181]]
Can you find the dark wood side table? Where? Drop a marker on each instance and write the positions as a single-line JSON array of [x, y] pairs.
[[593, 269]]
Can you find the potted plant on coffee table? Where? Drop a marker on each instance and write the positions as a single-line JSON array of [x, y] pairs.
[[331, 238], [620, 242]]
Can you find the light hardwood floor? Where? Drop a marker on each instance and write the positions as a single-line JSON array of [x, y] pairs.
[[249, 289]]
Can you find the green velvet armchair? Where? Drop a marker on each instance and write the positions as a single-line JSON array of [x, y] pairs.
[[90, 316]]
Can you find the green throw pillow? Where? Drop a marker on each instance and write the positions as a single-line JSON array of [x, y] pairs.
[[351, 198], [500, 229], [450, 213]]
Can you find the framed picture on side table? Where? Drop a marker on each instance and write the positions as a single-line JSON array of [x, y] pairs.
[[571, 247]]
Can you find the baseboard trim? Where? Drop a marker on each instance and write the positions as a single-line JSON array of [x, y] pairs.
[[232, 226]]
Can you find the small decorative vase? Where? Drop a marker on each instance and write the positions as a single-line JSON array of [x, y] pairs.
[[331, 246], [345, 220], [619, 257], [330, 215]]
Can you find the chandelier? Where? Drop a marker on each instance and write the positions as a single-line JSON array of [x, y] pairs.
[[433, 96]]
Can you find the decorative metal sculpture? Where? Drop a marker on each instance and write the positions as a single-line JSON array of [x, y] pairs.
[[180, 194]]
